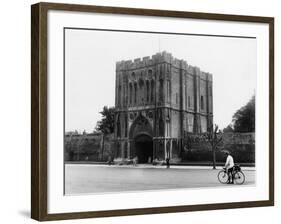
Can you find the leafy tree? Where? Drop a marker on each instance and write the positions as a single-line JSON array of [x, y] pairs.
[[106, 124], [214, 137], [228, 129], [244, 119]]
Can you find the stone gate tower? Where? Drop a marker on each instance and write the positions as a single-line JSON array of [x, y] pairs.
[[159, 100]]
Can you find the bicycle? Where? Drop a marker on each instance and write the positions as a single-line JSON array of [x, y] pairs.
[[237, 174]]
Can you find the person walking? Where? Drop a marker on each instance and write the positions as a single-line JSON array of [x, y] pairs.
[[168, 162]]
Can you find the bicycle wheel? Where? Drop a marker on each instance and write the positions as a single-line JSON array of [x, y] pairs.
[[239, 177], [223, 177]]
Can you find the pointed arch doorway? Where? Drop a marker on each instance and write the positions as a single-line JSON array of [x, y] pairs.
[[141, 135], [144, 148]]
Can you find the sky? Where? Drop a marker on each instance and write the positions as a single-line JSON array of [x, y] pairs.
[[91, 56]]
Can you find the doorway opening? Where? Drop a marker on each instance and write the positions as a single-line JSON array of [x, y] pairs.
[[144, 148]]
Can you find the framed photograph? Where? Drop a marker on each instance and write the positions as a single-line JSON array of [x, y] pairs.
[[141, 111]]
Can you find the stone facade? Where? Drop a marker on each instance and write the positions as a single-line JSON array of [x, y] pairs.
[[159, 100], [88, 147]]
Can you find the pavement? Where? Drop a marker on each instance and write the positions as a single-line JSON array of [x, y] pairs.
[[150, 166], [91, 179]]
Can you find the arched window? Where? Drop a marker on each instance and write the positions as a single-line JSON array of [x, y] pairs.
[[141, 82], [170, 90], [202, 103], [126, 94], [167, 88], [141, 89], [119, 95], [147, 91], [131, 93], [118, 126], [126, 124], [185, 88], [136, 92], [161, 90], [152, 90], [133, 75]]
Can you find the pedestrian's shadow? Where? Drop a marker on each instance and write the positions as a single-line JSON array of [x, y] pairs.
[[24, 213]]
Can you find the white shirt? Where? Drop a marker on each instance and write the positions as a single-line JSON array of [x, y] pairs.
[[229, 162]]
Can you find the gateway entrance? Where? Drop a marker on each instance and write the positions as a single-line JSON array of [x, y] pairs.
[[144, 148]]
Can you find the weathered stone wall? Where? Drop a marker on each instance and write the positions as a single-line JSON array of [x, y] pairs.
[[204, 124], [188, 122], [175, 82], [175, 124], [240, 145], [189, 93], [203, 96], [239, 138], [88, 147]]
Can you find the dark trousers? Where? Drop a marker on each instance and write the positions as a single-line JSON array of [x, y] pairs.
[[230, 174]]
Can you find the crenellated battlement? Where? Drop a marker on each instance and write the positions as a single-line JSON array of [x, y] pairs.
[[149, 61], [162, 57], [138, 63]]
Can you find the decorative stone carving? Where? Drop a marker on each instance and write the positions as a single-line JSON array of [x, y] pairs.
[[132, 116], [142, 120]]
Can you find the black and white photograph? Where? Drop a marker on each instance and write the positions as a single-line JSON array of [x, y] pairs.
[[143, 111], [152, 111]]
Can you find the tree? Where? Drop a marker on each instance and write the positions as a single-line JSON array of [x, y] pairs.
[[214, 137], [228, 129], [106, 124], [244, 119]]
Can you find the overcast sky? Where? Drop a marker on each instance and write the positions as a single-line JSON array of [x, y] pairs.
[[90, 58]]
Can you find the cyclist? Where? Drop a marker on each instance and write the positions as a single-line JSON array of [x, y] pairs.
[[229, 164]]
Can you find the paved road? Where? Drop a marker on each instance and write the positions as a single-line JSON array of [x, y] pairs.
[[80, 179]]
